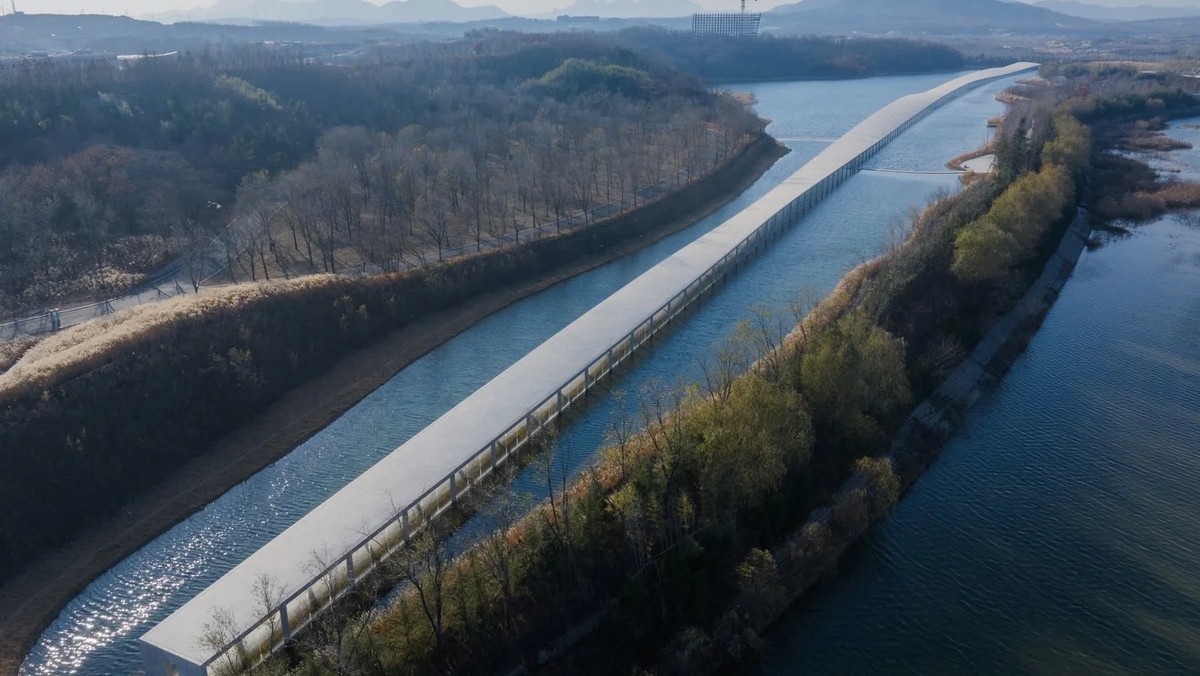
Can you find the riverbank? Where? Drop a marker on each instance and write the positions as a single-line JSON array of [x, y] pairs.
[[925, 434], [1009, 555], [42, 589]]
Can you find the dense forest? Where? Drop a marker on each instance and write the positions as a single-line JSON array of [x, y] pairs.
[[717, 58], [112, 169]]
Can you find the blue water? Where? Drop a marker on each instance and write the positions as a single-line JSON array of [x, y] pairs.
[[97, 632], [1182, 165], [1059, 532]]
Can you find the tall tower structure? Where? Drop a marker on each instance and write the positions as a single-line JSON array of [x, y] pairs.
[[741, 25]]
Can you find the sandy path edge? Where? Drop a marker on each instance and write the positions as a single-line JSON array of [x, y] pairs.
[[34, 598]]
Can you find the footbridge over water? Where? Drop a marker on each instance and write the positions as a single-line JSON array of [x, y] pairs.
[[374, 515]]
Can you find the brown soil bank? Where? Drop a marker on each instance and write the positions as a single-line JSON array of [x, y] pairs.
[[291, 358]]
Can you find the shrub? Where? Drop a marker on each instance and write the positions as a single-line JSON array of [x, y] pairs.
[[1009, 233], [854, 374], [881, 483], [762, 593], [851, 512], [811, 547], [11, 351], [690, 653]]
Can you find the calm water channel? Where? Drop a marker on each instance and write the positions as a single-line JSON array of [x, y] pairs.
[[97, 633], [1059, 533]]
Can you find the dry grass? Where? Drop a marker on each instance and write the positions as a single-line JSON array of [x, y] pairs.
[[837, 304], [1010, 98], [1144, 205], [11, 351], [1151, 142], [91, 345], [958, 163], [1181, 195]]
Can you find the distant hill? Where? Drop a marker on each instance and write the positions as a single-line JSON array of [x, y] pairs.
[[23, 33], [926, 16], [631, 9], [326, 11], [1088, 10], [804, 6], [1188, 26]]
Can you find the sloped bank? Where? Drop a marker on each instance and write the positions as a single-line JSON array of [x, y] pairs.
[[306, 351]]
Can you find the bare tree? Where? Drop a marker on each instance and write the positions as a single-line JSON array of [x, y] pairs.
[[423, 564], [496, 549], [802, 304], [765, 332], [216, 637], [621, 432], [336, 637]]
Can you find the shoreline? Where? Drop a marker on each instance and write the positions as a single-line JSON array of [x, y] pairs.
[[36, 596], [933, 422]]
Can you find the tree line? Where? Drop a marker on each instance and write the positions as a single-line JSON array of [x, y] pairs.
[[108, 170], [718, 58], [371, 201]]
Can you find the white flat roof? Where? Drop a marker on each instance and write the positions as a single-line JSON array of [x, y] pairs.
[[372, 499]]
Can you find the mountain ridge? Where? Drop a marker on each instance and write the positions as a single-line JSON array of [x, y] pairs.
[[397, 11], [1145, 12], [923, 16]]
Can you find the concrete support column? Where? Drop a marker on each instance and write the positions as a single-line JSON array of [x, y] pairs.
[[283, 622]]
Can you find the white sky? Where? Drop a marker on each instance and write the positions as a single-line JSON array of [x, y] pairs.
[[146, 7]]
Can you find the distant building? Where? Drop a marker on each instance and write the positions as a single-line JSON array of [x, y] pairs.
[[734, 24]]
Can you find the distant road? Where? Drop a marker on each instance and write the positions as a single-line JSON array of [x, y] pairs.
[[173, 280]]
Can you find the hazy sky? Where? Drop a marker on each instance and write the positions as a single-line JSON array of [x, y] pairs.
[[146, 7]]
